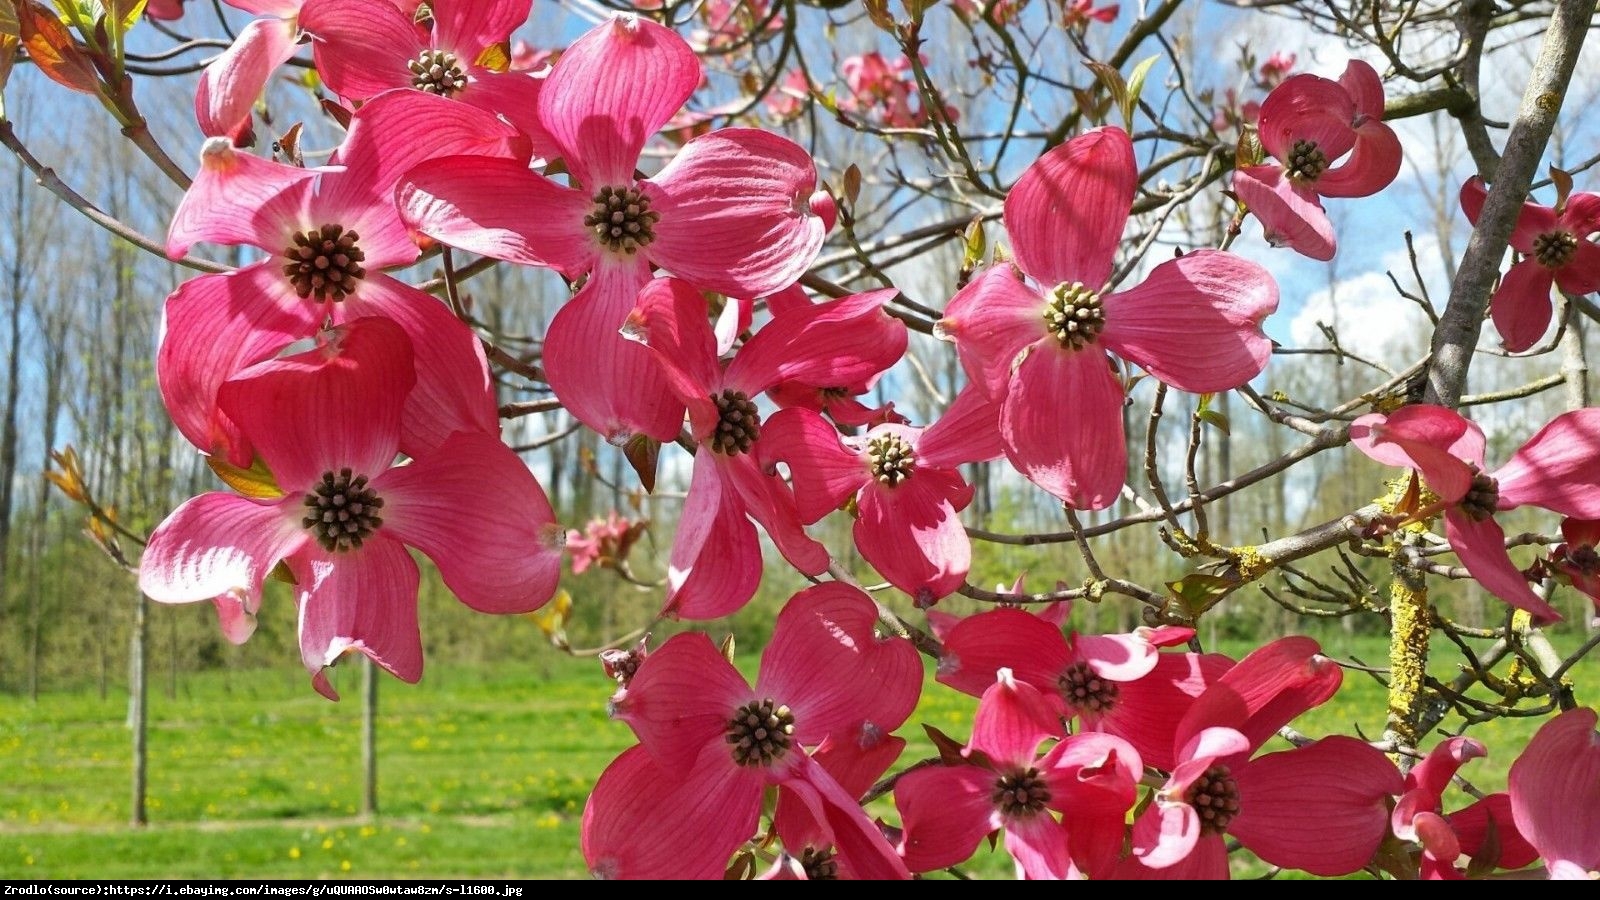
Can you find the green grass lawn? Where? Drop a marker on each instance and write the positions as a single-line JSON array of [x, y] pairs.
[[483, 773]]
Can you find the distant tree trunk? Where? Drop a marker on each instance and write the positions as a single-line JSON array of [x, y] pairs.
[[369, 738], [8, 431], [138, 701]]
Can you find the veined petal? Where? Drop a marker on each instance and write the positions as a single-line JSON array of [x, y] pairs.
[[979, 646], [1290, 213], [363, 599], [1062, 425], [1310, 108], [913, 536], [1555, 469], [844, 341], [610, 91], [681, 699], [646, 821], [767, 500], [216, 326], [1555, 790], [1582, 214], [609, 383], [1207, 298], [1012, 720], [824, 472], [671, 318], [497, 207], [513, 96], [865, 851], [1066, 213], [991, 321], [1582, 275], [1532, 221], [362, 46], [735, 213], [1039, 846], [1371, 167], [1118, 657], [474, 508], [1093, 780], [716, 559], [1471, 826], [219, 543], [1521, 305], [1280, 792], [1433, 774], [233, 81], [1147, 710], [470, 27], [968, 432], [944, 813], [1205, 860], [1481, 547], [236, 198], [1166, 837], [1435, 441], [334, 407], [1360, 80], [827, 664], [1265, 691]]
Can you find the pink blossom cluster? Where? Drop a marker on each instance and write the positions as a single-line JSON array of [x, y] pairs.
[[882, 91]]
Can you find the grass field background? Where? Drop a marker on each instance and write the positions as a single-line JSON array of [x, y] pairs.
[[483, 772]]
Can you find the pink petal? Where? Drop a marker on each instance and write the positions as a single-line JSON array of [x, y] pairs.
[[968, 432], [1312, 108], [839, 677], [284, 9], [217, 325], [1521, 305], [1206, 298], [1147, 711], [219, 543], [609, 383], [1471, 826], [865, 851], [515, 96], [767, 500], [1013, 718], [1555, 469], [1433, 774], [681, 699], [1265, 691], [824, 472], [233, 81], [1435, 441], [496, 207], [1039, 845], [1281, 795], [1062, 424], [1555, 790], [1207, 860], [716, 560], [470, 27], [858, 764], [334, 407], [1066, 213], [991, 321], [980, 646], [644, 821], [362, 46], [913, 536], [734, 211], [1532, 221], [1118, 657], [1373, 165], [1093, 782], [669, 317], [1582, 214], [945, 813], [1582, 275], [1166, 836], [1481, 547], [1291, 214], [843, 341], [364, 599], [236, 615], [505, 557], [610, 91], [1365, 88], [734, 319], [236, 198]]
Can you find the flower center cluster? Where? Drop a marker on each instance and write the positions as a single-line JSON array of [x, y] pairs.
[[437, 72], [738, 424], [1482, 499], [760, 732], [342, 511], [1554, 249], [1086, 691], [1074, 315], [819, 865], [1215, 796], [1306, 161], [1584, 558], [324, 263], [622, 218], [1020, 793], [890, 458]]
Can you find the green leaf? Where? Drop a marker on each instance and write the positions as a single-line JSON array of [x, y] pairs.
[[256, 482], [1198, 592], [1136, 87], [977, 244], [1214, 418], [1112, 79]]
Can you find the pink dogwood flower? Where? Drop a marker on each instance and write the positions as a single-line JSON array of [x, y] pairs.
[[1419, 816], [1307, 124], [1323, 807], [905, 482], [678, 804], [732, 213], [1555, 249], [1036, 340], [1276, 69], [328, 233], [1091, 779], [1120, 684], [1577, 558], [716, 561], [327, 425], [1079, 13], [856, 761], [231, 84], [1554, 470], [1555, 794]]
